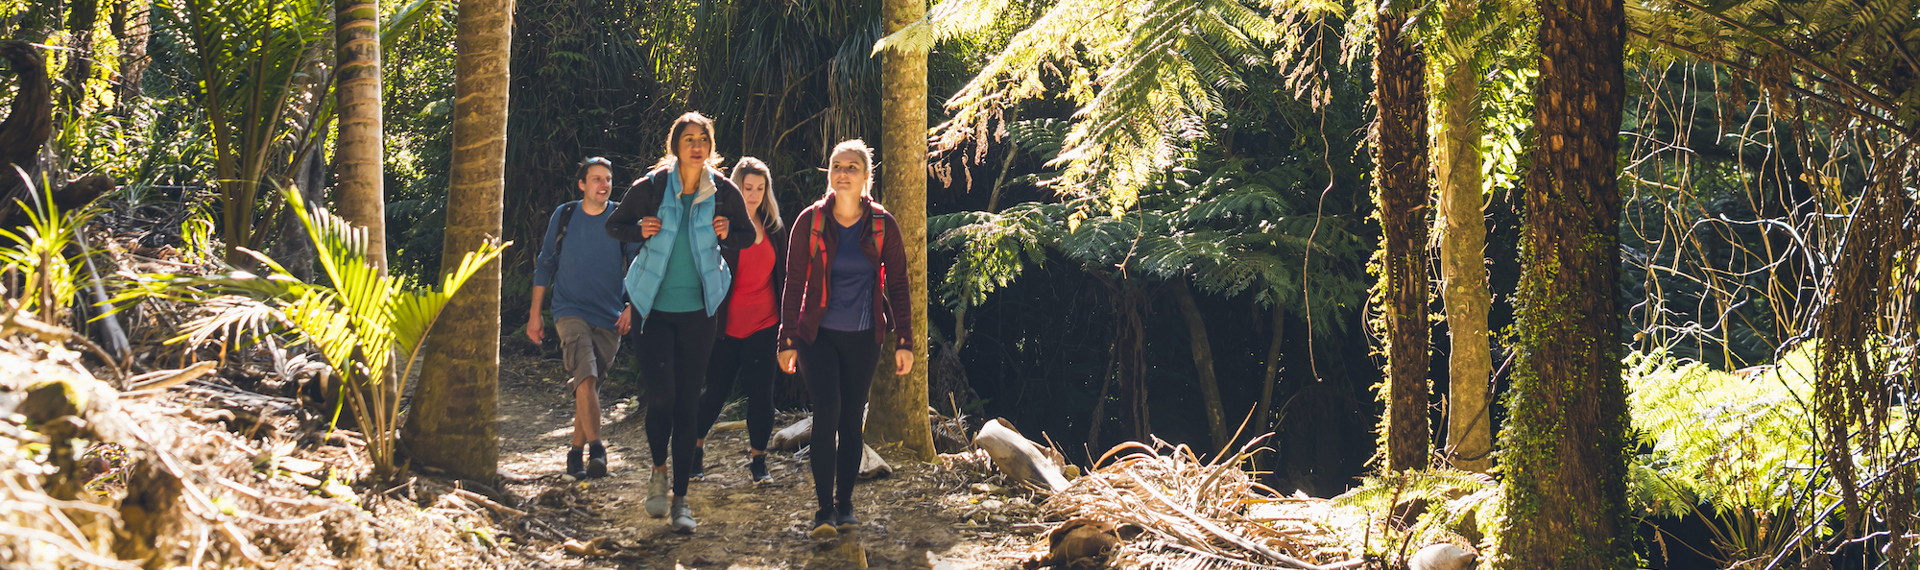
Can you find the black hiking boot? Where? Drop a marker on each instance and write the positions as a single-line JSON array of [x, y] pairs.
[[757, 469], [576, 462], [596, 460]]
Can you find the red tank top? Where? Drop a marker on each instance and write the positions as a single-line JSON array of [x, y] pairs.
[[751, 305]]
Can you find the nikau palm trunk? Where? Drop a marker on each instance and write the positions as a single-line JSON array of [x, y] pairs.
[[453, 422], [357, 163], [900, 402]]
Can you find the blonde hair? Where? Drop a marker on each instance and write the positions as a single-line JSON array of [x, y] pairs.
[[858, 147], [769, 206], [679, 127]]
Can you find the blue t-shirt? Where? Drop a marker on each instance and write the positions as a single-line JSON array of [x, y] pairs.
[[586, 277], [850, 303], [680, 287]]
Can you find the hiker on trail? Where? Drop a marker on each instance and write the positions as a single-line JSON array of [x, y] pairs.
[[680, 213], [846, 285], [748, 322], [588, 311]]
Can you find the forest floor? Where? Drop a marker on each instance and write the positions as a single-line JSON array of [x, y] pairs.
[[920, 516]]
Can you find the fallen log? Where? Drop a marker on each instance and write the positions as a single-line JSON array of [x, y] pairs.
[[792, 437], [1021, 459]]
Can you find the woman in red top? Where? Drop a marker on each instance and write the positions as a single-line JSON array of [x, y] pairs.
[[846, 287], [748, 322]]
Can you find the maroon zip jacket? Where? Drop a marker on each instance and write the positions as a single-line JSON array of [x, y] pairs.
[[803, 299]]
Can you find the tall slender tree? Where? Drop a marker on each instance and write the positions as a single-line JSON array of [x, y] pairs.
[[1400, 179], [452, 425], [900, 402], [1565, 438], [1463, 239], [358, 165]]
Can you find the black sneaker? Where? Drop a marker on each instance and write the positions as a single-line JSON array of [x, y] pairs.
[[843, 517], [823, 525], [596, 460], [699, 464], [575, 462], [757, 469]]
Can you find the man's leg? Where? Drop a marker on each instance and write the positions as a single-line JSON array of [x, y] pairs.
[[586, 411]]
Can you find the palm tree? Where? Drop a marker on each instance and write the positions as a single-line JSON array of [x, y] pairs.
[[1400, 160], [453, 424], [900, 402], [357, 160], [1565, 440]]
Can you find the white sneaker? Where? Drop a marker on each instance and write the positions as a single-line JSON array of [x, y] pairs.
[[683, 522], [657, 495]]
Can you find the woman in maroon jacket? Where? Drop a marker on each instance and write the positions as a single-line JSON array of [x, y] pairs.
[[748, 322], [834, 311]]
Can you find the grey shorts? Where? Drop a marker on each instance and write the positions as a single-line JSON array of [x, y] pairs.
[[587, 350]]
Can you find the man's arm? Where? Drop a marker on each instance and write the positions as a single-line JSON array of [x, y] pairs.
[[536, 329]]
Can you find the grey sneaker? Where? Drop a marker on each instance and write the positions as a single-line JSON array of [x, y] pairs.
[[682, 521], [657, 495]]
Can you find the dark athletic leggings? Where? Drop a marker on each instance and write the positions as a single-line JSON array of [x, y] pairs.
[[751, 357], [839, 371], [673, 350]]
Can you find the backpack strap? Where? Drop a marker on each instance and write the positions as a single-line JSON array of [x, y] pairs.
[[566, 219]]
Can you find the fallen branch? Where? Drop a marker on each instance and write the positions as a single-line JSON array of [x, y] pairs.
[[66, 547], [488, 503], [1223, 533]]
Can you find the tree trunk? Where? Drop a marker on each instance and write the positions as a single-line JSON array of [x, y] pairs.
[[1130, 350], [900, 402], [357, 158], [1203, 364], [1463, 271], [130, 28], [80, 20], [1260, 411], [453, 424], [1400, 157], [1565, 439]]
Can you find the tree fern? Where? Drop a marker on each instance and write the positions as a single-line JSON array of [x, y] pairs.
[[1146, 74]]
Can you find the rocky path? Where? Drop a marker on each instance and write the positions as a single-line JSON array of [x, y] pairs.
[[921, 516]]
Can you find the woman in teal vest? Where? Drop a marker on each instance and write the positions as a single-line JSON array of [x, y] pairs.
[[681, 213]]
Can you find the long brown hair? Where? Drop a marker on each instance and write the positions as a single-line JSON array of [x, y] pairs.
[[769, 206], [680, 127]]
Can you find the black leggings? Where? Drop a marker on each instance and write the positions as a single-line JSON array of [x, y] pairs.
[[673, 350], [839, 371], [732, 357]]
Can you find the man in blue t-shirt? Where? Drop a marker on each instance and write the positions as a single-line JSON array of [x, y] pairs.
[[585, 267]]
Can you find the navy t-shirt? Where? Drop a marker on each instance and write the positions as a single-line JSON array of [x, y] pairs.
[[850, 305]]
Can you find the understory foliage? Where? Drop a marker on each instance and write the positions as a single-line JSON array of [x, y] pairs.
[[369, 326], [1736, 449], [1147, 77]]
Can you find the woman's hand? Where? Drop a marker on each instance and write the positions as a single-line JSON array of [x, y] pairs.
[[720, 227], [902, 362], [649, 226], [789, 360], [626, 320]]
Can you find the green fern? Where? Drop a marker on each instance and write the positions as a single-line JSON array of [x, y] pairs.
[[1740, 450], [1147, 75]]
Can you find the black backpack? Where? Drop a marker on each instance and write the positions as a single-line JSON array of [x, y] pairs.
[[566, 219]]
